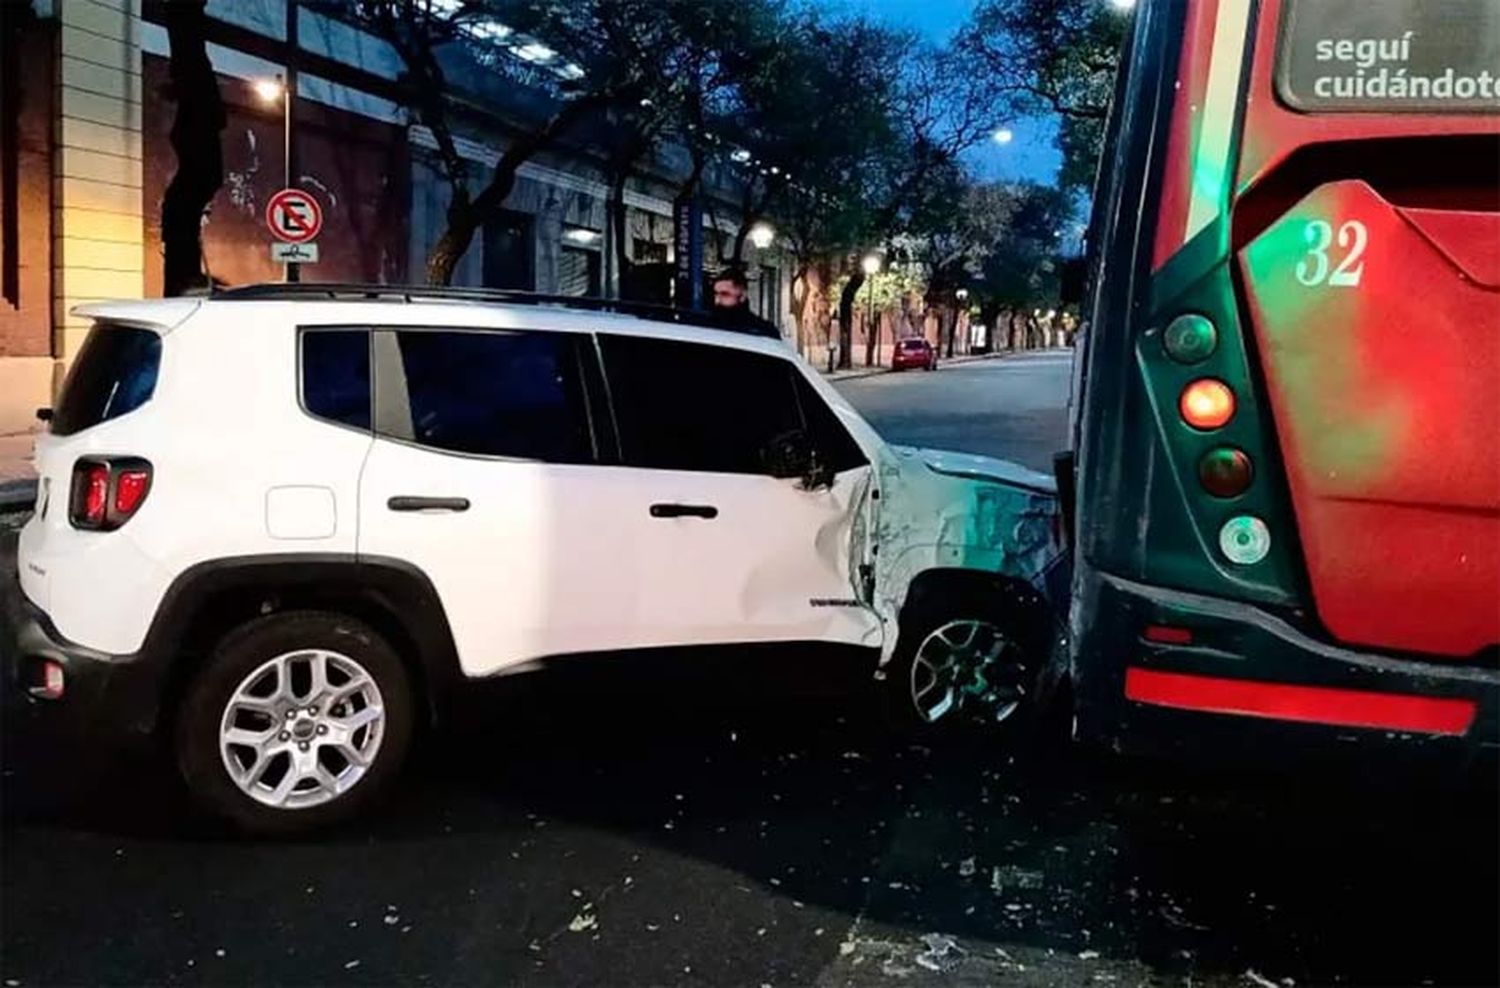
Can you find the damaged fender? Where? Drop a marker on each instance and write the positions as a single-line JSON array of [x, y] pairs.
[[941, 510]]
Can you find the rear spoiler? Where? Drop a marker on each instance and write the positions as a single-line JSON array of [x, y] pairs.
[[160, 314]]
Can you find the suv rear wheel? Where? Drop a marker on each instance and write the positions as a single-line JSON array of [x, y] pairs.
[[296, 721]]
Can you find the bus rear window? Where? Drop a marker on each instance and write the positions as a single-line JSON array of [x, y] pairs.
[[114, 373], [1390, 56]]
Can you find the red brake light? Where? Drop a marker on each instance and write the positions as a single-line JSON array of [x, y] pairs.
[[130, 490], [107, 492], [93, 482]]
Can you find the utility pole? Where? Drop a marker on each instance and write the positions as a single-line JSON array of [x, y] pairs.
[[289, 109]]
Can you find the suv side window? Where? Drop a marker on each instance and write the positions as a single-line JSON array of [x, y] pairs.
[[496, 393], [836, 448], [114, 374], [336, 375], [692, 406]]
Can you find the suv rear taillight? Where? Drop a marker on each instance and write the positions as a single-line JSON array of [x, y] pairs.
[[107, 492]]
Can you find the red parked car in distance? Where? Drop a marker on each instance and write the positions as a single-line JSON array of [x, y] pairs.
[[914, 353]]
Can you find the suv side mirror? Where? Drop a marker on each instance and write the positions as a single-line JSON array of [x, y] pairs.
[[788, 455], [792, 454]]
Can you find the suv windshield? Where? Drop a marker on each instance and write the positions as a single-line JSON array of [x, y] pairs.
[[115, 373]]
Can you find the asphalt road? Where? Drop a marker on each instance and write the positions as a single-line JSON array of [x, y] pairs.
[[754, 825], [1010, 407]]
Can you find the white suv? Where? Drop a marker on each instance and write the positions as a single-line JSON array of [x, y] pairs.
[[279, 525]]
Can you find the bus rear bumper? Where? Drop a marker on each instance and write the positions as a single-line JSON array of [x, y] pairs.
[[1166, 672]]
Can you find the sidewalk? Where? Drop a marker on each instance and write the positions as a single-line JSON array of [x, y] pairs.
[[855, 372]]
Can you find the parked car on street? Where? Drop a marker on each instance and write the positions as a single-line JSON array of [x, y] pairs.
[[915, 352], [279, 526]]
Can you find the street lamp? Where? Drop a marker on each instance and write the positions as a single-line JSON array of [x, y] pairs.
[[284, 92], [1003, 135], [761, 235], [269, 91]]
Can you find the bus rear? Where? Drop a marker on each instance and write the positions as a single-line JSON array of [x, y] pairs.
[[1287, 412]]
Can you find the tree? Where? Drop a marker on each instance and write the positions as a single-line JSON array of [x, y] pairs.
[[1020, 271], [957, 225], [829, 164], [1052, 57], [939, 111], [195, 140], [597, 56]]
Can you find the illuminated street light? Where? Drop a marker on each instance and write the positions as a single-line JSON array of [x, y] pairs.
[[1003, 136], [1122, 4], [761, 235], [269, 90], [871, 264]]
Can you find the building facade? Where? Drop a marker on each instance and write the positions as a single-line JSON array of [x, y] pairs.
[[86, 112]]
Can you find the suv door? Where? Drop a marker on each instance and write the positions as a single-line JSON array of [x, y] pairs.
[[727, 552], [484, 475]]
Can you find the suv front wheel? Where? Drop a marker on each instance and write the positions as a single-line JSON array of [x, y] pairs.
[[959, 660], [296, 721]]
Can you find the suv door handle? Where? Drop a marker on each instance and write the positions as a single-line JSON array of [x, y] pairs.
[[409, 503], [684, 511]]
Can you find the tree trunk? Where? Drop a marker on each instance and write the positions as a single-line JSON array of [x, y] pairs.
[[465, 218], [846, 317], [195, 140]]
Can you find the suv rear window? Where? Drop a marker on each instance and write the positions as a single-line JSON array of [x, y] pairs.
[[336, 375], [114, 373]]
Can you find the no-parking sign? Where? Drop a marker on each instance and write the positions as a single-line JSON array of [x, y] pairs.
[[294, 216]]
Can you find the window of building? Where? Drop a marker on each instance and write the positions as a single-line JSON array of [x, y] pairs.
[[578, 272], [336, 375], [509, 248], [648, 252], [506, 394]]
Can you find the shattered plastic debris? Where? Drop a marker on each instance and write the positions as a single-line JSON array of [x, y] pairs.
[[1252, 976], [966, 867], [584, 921], [940, 952]]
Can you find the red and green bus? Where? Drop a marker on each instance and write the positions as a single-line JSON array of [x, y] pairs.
[[1284, 483]]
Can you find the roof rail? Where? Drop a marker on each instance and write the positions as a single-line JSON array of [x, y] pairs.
[[297, 291]]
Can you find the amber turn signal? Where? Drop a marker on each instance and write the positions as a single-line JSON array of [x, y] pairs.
[[1206, 404]]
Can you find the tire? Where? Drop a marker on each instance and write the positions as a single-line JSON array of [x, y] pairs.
[[269, 664], [1001, 697]]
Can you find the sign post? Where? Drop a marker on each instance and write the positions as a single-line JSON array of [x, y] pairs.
[[687, 235], [294, 219]]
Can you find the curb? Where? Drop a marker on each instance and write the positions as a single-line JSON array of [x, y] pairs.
[[856, 374], [17, 495]]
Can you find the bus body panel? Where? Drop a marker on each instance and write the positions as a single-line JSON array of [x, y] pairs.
[[1369, 412]]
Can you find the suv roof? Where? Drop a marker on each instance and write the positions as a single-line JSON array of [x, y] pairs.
[[634, 318]]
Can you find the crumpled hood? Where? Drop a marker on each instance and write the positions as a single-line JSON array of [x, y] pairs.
[[968, 466]]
